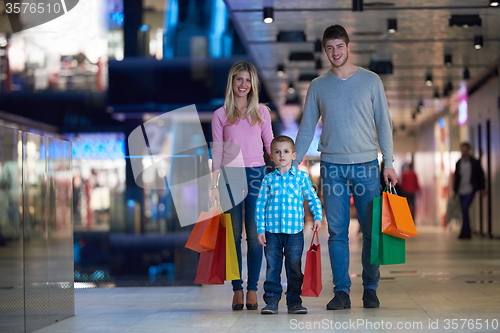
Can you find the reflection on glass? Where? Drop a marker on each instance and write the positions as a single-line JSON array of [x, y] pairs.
[[11, 240]]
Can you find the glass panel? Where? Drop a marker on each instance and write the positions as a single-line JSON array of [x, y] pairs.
[[60, 229], [11, 240], [35, 232]]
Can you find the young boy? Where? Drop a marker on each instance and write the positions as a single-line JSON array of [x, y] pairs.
[[280, 220]]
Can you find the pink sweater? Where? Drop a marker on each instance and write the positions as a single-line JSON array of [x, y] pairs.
[[240, 138]]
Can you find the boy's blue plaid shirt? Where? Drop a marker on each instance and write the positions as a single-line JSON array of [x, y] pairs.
[[280, 205]]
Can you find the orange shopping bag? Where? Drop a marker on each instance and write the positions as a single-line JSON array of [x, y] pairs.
[[396, 216], [312, 285], [204, 234]]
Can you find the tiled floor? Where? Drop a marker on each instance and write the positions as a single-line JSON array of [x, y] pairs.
[[446, 285]]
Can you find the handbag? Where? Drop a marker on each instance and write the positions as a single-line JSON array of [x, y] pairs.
[[396, 215], [312, 284], [204, 234], [232, 267], [385, 249], [212, 264]]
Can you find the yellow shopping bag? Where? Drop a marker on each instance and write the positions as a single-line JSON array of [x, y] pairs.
[[232, 269]]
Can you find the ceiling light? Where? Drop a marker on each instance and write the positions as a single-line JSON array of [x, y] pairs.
[[319, 64], [280, 70], [318, 46], [447, 60], [465, 21], [357, 5], [478, 42], [420, 106], [301, 56], [291, 36], [428, 80], [436, 93], [268, 14], [466, 74], [307, 77], [291, 89], [493, 3], [392, 25]]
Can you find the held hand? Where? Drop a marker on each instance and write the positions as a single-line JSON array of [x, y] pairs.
[[261, 238], [390, 174], [214, 197], [316, 225]]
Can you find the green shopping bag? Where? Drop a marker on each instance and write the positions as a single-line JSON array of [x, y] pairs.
[[385, 249]]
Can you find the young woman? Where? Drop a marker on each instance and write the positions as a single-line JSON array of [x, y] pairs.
[[240, 130]]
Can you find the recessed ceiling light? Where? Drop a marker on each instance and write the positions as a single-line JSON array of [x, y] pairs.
[[280, 70], [392, 25], [428, 80], [478, 42], [268, 14]]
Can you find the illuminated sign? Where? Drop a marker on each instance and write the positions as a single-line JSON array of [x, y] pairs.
[[462, 104]]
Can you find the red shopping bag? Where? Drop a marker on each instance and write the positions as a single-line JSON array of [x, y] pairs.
[[312, 285], [204, 234], [396, 217], [212, 264]]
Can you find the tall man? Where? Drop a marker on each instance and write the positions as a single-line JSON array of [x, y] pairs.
[[352, 103], [469, 178]]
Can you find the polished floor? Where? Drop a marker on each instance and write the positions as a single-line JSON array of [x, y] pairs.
[[447, 285]]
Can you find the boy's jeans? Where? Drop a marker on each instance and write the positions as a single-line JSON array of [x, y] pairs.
[[338, 182], [290, 246]]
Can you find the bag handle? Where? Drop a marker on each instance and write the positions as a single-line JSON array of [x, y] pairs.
[[315, 233], [229, 192], [391, 189]]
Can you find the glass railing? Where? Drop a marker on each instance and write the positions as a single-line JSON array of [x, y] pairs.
[[36, 231]]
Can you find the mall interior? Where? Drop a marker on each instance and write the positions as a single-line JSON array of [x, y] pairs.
[[92, 238]]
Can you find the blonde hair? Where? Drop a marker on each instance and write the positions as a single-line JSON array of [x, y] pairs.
[[252, 97]]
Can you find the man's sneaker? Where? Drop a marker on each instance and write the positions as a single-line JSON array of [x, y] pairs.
[[370, 299], [270, 308], [297, 309], [340, 301]]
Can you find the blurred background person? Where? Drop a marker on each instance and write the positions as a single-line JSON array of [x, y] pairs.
[[409, 186], [469, 178]]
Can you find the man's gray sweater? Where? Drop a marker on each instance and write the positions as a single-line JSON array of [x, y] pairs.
[[354, 113]]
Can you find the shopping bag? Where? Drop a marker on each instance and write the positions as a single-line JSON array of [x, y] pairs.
[[204, 234], [232, 267], [453, 211], [212, 264], [396, 216], [385, 249], [312, 285]]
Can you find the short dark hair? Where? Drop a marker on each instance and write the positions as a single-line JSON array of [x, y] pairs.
[[335, 32], [465, 144], [283, 138]]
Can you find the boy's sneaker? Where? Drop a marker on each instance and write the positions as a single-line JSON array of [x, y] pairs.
[[270, 308], [297, 309], [340, 301], [370, 299]]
